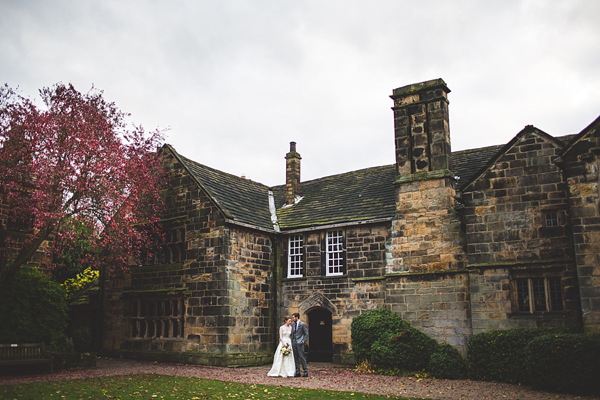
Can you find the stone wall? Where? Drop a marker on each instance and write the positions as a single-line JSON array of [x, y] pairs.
[[249, 306], [435, 303], [505, 207], [509, 237], [220, 286], [582, 164]]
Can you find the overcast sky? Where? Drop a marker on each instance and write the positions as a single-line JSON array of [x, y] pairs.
[[236, 81]]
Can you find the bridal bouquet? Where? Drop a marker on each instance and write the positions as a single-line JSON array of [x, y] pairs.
[[286, 349]]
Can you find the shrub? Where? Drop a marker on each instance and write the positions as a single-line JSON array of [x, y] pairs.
[[498, 356], [370, 326], [62, 345], [82, 340], [565, 363], [446, 362], [32, 309], [386, 340]]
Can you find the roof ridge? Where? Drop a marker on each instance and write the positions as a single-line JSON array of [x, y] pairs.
[[380, 167], [229, 175]]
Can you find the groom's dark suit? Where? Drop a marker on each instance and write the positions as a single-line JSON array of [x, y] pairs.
[[299, 338]]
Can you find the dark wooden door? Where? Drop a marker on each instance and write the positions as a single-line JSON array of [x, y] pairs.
[[319, 335]]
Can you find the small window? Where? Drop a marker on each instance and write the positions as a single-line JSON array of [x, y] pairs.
[[162, 318], [539, 294], [171, 251], [334, 253], [20, 224], [295, 256], [551, 219]]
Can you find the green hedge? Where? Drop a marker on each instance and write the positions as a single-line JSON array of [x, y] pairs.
[[387, 341], [565, 363], [446, 362], [498, 356], [32, 309]]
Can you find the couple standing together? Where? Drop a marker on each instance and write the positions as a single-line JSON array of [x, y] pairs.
[[289, 355]]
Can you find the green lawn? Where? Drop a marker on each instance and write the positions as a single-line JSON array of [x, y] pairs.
[[166, 387]]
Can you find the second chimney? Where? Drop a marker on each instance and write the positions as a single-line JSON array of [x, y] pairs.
[[292, 174]]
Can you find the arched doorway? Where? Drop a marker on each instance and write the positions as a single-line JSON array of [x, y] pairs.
[[320, 335]]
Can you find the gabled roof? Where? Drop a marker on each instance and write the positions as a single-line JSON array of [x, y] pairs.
[[240, 199], [352, 197], [473, 171]]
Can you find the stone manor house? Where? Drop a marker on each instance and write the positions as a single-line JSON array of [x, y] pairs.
[[457, 243]]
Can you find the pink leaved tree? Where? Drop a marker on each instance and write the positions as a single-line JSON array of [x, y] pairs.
[[75, 162]]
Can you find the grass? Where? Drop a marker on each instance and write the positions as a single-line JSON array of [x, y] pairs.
[[150, 386]]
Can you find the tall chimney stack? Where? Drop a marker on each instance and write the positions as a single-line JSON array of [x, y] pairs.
[[292, 174], [421, 128]]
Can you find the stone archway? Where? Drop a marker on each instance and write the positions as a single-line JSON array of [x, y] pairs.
[[319, 311], [320, 335], [317, 300]]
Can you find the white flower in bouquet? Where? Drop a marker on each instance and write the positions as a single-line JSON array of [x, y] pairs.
[[285, 349]]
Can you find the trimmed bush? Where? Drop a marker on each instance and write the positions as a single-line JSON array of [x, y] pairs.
[[371, 326], [446, 362], [33, 309], [565, 363], [498, 356], [387, 341]]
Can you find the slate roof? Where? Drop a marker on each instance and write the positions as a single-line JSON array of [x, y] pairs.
[[361, 195], [357, 196], [242, 200], [466, 163]]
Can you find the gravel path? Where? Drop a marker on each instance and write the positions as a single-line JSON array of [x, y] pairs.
[[322, 376]]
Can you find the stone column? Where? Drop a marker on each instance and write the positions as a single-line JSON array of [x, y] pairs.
[[292, 174]]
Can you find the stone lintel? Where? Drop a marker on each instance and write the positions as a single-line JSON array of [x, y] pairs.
[[442, 272], [368, 279], [509, 264], [161, 290]]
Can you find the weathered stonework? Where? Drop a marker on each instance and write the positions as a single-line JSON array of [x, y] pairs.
[[455, 243], [582, 163], [427, 231], [222, 284], [508, 237], [435, 303]]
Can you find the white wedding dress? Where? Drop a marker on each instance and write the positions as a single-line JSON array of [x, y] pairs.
[[283, 365]]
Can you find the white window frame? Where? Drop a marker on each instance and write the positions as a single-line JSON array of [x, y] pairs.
[[334, 253], [295, 256]]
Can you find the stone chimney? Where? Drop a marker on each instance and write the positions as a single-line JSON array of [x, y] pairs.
[[422, 131], [425, 193], [292, 174]]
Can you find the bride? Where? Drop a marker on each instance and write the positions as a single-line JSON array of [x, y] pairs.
[[283, 362]]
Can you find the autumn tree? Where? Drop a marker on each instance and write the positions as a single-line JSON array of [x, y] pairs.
[[75, 163]]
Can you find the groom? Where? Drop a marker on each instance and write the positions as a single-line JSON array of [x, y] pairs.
[[299, 337]]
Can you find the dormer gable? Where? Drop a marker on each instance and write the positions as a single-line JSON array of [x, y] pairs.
[[529, 150]]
